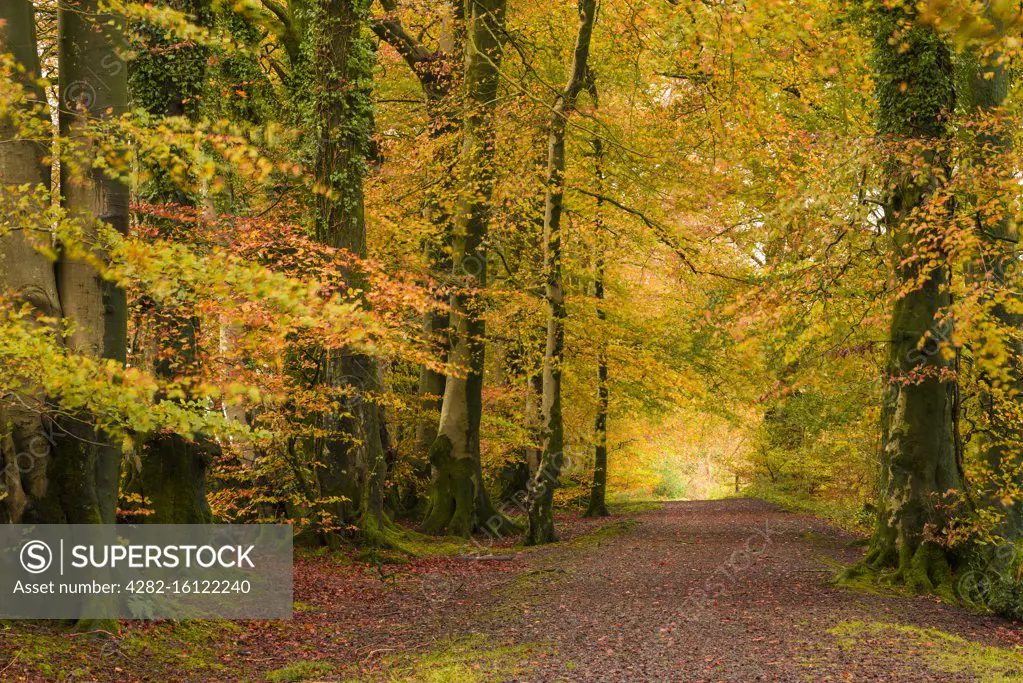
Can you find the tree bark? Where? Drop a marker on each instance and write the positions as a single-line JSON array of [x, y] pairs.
[[541, 499], [25, 434], [597, 506], [354, 458], [459, 503], [435, 71], [915, 93], [93, 86]]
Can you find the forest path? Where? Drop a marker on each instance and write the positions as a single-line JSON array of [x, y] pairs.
[[731, 590]]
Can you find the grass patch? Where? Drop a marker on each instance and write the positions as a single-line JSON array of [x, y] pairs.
[[943, 651], [300, 671], [461, 660]]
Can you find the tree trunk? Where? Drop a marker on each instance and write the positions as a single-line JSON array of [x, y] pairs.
[[459, 503], [25, 448], [435, 72], [598, 491], [168, 79], [534, 404], [919, 463], [93, 85], [541, 499], [354, 458]]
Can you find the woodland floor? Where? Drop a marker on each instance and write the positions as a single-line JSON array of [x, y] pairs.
[[732, 590]]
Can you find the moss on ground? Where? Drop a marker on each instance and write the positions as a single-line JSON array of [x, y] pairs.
[[631, 507], [47, 652], [460, 660], [56, 654], [410, 545], [945, 652], [604, 533], [300, 671], [190, 645]]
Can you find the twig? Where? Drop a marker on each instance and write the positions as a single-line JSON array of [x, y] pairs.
[[13, 660]]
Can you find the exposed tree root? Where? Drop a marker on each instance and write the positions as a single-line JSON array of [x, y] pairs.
[[924, 570], [458, 505]]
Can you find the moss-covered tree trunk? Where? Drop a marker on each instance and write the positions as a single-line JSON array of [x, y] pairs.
[[919, 467], [93, 86], [541, 496], [353, 457], [167, 78], [458, 502], [25, 435]]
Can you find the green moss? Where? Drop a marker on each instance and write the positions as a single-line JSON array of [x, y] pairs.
[[631, 507], [460, 660], [915, 84], [58, 654], [860, 579], [42, 651], [185, 644], [603, 534], [945, 652], [300, 671], [452, 499], [925, 570], [404, 545]]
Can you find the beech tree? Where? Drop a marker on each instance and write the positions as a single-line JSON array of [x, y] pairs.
[[436, 70], [597, 505], [458, 501], [87, 463], [26, 449], [916, 97], [987, 84], [541, 500]]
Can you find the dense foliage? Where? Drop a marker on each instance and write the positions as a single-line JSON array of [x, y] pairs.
[[255, 252]]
